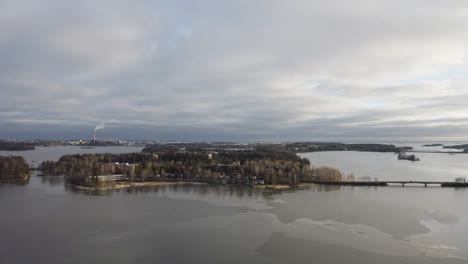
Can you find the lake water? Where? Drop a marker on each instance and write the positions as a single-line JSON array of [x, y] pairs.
[[46, 222], [386, 166]]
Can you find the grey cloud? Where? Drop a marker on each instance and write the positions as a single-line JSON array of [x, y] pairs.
[[232, 70]]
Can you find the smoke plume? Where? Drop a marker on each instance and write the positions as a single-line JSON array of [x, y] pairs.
[[100, 126]]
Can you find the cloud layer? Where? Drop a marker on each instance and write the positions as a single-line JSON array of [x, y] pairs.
[[234, 70]]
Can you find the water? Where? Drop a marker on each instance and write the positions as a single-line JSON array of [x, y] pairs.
[[46, 222], [386, 166]]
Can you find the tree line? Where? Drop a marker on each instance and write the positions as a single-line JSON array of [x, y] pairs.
[[13, 168], [323, 146], [16, 146]]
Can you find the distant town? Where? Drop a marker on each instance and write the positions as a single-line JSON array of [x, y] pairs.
[[13, 145]]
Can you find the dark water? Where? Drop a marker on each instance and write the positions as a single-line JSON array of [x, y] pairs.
[[45, 222]]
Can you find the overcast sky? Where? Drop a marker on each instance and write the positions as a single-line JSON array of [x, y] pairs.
[[243, 70]]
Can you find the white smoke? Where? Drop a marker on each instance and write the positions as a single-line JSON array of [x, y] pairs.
[[100, 126]]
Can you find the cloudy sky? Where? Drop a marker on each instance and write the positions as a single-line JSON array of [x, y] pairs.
[[213, 70]]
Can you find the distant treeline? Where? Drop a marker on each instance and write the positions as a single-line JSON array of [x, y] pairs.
[[234, 167], [14, 146], [285, 147], [319, 146], [464, 147], [200, 147], [433, 145], [13, 169]]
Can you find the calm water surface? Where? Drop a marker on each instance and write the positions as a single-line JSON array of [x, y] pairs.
[[386, 166], [46, 222]]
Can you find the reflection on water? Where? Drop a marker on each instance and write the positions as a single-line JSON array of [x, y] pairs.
[[213, 194], [326, 188], [19, 182], [52, 180]]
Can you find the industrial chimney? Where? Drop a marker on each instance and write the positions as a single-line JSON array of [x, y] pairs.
[[100, 126]]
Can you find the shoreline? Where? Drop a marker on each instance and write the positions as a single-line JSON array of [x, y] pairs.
[[18, 180], [123, 185], [131, 184], [301, 185]]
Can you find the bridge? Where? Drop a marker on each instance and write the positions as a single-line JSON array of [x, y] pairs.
[[416, 182], [387, 183]]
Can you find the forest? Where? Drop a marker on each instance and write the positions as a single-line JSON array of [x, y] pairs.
[[15, 146], [321, 146], [13, 168], [228, 167]]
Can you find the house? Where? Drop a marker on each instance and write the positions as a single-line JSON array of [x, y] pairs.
[[106, 178]]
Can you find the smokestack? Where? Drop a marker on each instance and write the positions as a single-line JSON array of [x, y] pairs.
[[100, 126]]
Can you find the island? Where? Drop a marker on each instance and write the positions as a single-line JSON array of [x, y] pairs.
[[433, 145], [261, 167], [13, 169], [404, 156]]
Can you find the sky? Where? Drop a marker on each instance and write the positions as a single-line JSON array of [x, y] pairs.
[[244, 70]]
